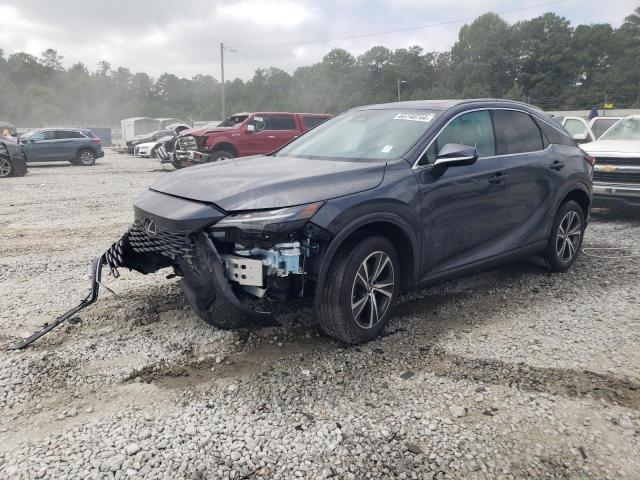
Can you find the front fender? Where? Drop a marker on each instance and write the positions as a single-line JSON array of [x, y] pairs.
[[359, 223]]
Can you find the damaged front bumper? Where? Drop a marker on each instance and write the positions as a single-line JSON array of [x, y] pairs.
[[206, 247], [189, 158]]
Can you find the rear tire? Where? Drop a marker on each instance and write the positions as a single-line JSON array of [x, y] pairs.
[[86, 158], [361, 290], [220, 155], [566, 237]]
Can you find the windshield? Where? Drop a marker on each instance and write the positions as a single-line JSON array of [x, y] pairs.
[[233, 120], [626, 129], [363, 134]]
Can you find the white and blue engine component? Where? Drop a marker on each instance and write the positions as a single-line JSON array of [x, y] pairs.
[[248, 267], [281, 260]]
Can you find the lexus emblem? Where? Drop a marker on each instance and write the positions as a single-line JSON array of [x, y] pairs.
[[150, 227]]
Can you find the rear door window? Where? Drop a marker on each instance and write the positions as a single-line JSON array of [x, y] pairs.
[[61, 134], [274, 122], [516, 132], [474, 129]]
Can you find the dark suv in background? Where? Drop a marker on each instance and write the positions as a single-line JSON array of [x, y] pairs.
[[377, 201], [78, 146]]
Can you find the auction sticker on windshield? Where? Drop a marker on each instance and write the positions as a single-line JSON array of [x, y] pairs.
[[416, 117]]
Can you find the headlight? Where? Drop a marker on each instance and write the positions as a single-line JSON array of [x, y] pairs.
[[271, 220]]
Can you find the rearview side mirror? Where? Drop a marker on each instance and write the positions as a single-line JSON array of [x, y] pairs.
[[452, 155], [251, 128]]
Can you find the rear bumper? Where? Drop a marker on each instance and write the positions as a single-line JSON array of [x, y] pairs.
[[616, 194], [100, 154]]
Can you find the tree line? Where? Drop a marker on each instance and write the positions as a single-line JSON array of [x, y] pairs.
[[544, 61]]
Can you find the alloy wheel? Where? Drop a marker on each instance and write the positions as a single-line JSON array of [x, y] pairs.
[[372, 289], [5, 167], [568, 236], [86, 157]]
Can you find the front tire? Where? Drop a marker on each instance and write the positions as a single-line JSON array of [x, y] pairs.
[[566, 237], [86, 158], [220, 155], [6, 168], [361, 290]]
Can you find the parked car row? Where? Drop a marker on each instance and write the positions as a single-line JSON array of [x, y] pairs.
[[156, 136]]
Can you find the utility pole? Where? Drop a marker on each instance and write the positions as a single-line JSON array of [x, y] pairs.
[[222, 109]]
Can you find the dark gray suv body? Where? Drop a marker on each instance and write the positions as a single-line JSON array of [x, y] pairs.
[[376, 201], [78, 146]]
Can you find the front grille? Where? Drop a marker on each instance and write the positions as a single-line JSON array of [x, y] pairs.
[[187, 143], [617, 161], [616, 177], [165, 242]]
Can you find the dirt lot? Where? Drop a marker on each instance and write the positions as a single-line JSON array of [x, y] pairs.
[[513, 373]]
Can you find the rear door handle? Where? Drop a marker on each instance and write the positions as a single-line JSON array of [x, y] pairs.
[[271, 136], [556, 165], [498, 178]]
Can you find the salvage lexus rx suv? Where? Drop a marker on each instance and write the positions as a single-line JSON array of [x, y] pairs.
[[377, 201]]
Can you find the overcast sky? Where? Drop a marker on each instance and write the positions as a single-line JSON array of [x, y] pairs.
[[183, 37]]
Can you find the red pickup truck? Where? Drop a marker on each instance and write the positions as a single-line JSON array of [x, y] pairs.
[[241, 135]]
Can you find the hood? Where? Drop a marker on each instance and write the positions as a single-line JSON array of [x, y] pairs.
[[198, 132], [612, 146], [266, 182]]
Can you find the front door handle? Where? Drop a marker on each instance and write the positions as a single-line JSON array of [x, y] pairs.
[[498, 178], [271, 136], [556, 165]]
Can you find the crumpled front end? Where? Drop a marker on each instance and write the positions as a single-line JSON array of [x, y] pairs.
[[190, 150], [220, 257]]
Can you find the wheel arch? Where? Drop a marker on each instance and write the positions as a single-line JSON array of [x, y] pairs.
[[581, 197], [229, 147], [388, 225], [85, 147]]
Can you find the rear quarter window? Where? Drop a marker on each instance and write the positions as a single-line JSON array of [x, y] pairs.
[[553, 135]]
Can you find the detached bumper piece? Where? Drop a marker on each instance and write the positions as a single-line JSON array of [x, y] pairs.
[[96, 272]]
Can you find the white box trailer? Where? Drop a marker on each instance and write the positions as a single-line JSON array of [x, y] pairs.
[[165, 122], [134, 126]]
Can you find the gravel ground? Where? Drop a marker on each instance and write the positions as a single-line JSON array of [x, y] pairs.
[[513, 373]]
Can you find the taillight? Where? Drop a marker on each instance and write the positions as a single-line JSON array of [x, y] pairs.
[[97, 141], [590, 159]]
